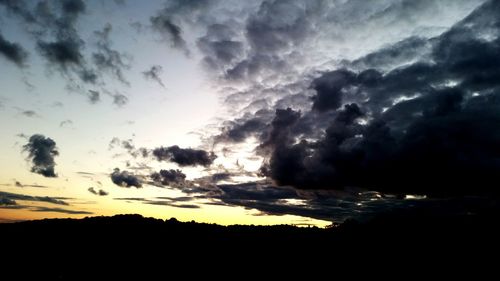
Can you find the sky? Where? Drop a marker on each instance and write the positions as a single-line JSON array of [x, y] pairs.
[[247, 112]]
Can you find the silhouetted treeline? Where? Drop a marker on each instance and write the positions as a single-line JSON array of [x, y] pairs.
[[131, 245]]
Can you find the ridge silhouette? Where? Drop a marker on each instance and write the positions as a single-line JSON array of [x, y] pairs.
[[135, 246]]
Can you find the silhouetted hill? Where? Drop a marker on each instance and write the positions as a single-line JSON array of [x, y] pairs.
[[131, 245]]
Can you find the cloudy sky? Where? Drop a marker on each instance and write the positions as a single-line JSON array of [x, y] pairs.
[[249, 112]]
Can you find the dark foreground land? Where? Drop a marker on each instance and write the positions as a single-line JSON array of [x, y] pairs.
[[131, 245]]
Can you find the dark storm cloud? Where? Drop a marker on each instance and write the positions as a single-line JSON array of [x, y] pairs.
[[396, 54], [108, 59], [184, 156], [255, 192], [221, 176], [22, 197], [329, 87], [99, 192], [425, 127], [13, 51], [168, 177], [270, 199], [280, 133], [73, 8], [329, 209], [125, 179], [240, 130], [154, 74], [42, 151], [63, 53], [354, 128]]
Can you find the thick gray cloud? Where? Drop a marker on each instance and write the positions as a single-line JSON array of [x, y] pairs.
[[184, 156], [280, 25], [239, 130], [329, 88], [272, 35], [221, 46], [395, 55], [413, 116], [66, 56], [169, 177], [280, 133], [13, 51], [64, 53], [42, 151], [125, 179], [310, 37]]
